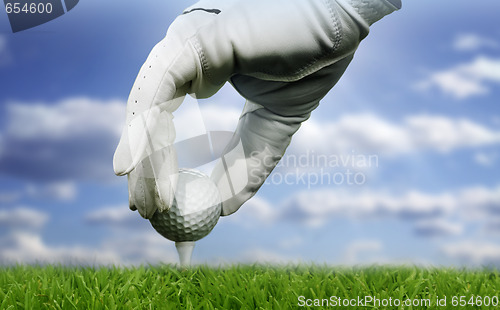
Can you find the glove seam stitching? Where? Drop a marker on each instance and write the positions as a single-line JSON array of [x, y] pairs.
[[203, 59], [335, 20]]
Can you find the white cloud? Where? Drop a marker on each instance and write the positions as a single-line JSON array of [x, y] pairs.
[[485, 159], [480, 202], [492, 226], [118, 215], [361, 132], [140, 248], [291, 242], [438, 228], [60, 191], [370, 134], [365, 133], [471, 252], [127, 243], [433, 214], [21, 241], [113, 216], [22, 218], [73, 139], [465, 80], [454, 83], [66, 119], [266, 256], [63, 191], [362, 252], [473, 42], [29, 248], [445, 134], [256, 209], [315, 208]]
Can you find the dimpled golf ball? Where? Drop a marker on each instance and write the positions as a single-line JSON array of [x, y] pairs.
[[195, 210]]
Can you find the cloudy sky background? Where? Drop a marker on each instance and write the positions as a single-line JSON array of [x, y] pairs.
[[421, 96]]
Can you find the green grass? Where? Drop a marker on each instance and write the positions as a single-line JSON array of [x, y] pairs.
[[237, 287]]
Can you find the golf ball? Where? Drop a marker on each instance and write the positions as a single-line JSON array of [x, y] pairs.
[[195, 210]]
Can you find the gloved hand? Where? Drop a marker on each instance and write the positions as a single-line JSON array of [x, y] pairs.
[[281, 55]]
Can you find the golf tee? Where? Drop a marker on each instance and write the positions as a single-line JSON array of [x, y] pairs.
[[185, 251]]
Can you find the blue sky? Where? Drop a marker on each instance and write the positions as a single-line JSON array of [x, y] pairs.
[[421, 96]]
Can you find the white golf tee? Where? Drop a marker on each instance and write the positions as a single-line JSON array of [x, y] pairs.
[[185, 251]]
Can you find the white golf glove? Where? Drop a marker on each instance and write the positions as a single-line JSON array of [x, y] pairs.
[[281, 55]]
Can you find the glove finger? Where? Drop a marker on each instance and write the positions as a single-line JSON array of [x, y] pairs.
[[151, 131], [160, 86], [164, 170], [141, 192], [152, 183], [172, 70]]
